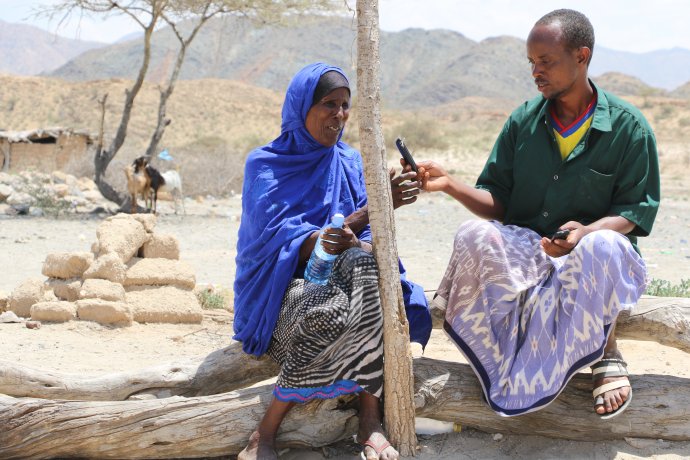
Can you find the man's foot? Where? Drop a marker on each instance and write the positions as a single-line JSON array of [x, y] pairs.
[[257, 450], [376, 446], [611, 390]]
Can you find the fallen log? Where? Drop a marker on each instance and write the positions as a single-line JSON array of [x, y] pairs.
[[221, 371], [662, 319], [665, 320], [220, 425]]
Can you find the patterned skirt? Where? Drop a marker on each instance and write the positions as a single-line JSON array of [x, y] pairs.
[[329, 338], [528, 322]]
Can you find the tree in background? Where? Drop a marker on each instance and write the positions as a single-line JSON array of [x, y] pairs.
[[184, 18]]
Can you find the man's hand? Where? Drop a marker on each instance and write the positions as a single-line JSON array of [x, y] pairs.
[[434, 178], [558, 248], [404, 188]]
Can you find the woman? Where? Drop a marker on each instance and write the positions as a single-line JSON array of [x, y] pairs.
[[327, 339]]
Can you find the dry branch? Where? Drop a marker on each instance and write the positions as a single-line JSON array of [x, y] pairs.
[[221, 371], [220, 425]]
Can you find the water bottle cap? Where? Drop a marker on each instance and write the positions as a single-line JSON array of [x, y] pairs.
[[338, 220]]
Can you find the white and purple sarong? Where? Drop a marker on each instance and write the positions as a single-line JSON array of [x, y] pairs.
[[527, 322]]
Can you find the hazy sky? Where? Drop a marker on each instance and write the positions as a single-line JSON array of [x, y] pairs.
[[626, 25]]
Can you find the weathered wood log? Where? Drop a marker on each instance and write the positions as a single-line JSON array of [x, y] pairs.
[[221, 371], [662, 319], [175, 427], [220, 425], [450, 391], [665, 320]]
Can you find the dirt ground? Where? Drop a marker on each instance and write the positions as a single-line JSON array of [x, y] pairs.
[[207, 236]]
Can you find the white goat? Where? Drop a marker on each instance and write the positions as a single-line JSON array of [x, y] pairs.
[[169, 182]]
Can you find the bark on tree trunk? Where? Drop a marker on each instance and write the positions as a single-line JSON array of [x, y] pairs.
[[221, 371], [398, 378], [219, 425]]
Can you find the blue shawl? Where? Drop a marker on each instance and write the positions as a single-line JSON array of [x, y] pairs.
[[292, 187]]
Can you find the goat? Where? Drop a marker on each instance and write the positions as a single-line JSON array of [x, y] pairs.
[[138, 181], [170, 182]]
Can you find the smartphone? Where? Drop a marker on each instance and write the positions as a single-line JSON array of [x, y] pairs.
[[561, 235], [407, 156]]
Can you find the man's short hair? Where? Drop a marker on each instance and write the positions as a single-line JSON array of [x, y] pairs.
[[576, 28]]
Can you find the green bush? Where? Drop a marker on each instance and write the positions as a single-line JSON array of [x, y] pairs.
[[210, 299], [663, 288]]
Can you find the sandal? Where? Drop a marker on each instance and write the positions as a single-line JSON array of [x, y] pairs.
[[378, 448], [610, 367]]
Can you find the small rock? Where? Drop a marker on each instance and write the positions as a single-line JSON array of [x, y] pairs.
[[33, 324], [498, 437], [9, 317]]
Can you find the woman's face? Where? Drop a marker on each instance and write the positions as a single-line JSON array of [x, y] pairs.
[[326, 119]]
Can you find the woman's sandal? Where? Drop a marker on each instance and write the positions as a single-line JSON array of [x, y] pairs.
[[610, 367], [378, 448]]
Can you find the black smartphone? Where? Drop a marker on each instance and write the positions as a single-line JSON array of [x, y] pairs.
[[407, 156], [561, 235]]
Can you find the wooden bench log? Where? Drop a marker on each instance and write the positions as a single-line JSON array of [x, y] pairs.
[[662, 319], [220, 425], [665, 320], [219, 372]]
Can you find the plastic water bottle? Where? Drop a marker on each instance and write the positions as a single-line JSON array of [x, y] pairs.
[[430, 426], [320, 262]]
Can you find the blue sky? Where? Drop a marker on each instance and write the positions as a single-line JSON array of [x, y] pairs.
[[626, 25]]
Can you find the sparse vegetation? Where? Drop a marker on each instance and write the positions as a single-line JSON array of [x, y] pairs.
[[663, 288], [213, 298], [45, 199]]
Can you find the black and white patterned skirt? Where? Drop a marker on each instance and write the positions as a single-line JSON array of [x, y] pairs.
[[329, 338]]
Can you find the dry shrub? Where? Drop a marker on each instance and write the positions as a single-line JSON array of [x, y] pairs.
[[208, 167]]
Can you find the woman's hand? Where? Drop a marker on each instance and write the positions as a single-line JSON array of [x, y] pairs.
[[433, 177], [338, 240], [558, 248], [403, 187]]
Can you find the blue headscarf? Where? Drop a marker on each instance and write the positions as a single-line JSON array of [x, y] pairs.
[[292, 187]]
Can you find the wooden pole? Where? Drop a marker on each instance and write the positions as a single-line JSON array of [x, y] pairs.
[[398, 378]]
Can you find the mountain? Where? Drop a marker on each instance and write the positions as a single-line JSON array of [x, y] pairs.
[[28, 50], [666, 69], [419, 68], [682, 91], [624, 85]]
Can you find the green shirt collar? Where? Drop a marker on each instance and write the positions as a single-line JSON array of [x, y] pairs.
[[602, 115]]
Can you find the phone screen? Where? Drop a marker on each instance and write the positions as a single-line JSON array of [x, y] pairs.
[[407, 156]]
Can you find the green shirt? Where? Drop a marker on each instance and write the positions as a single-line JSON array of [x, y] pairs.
[[614, 170]]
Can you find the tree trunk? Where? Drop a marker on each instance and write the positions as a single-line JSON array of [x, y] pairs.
[[221, 371], [665, 320], [220, 425], [398, 378], [662, 319]]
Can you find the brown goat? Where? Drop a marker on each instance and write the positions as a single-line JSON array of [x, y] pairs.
[[138, 182]]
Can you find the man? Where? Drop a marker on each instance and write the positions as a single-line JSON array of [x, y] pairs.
[[527, 306]]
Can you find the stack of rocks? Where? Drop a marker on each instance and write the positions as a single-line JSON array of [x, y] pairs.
[[131, 274]]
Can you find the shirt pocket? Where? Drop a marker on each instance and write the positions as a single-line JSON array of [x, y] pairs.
[[595, 193]]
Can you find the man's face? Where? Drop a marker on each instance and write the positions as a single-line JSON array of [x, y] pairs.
[[555, 68]]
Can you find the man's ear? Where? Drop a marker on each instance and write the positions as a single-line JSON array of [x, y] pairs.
[[584, 54]]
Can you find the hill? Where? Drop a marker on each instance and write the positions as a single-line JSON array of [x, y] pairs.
[[665, 69], [28, 50], [625, 85]]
